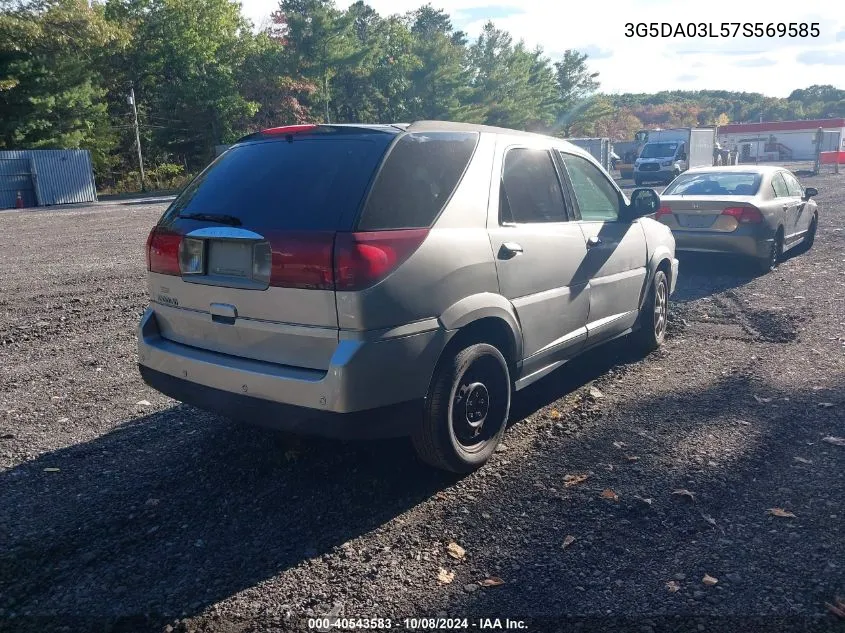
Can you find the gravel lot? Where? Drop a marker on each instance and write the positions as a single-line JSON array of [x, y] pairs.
[[121, 510]]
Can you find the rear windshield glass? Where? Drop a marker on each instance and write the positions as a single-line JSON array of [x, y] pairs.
[[306, 184], [659, 150], [715, 184], [417, 179]]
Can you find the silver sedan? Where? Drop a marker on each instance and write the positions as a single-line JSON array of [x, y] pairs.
[[751, 210]]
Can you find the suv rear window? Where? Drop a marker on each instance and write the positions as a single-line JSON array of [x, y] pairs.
[[306, 184], [417, 179]]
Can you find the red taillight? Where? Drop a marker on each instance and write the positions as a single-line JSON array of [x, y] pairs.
[[661, 212], [744, 215], [364, 259], [290, 129], [301, 260], [163, 251]]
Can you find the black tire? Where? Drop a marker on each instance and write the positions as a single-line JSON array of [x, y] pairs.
[[654, 316], [638, 181], [463, 422], [770, 262]]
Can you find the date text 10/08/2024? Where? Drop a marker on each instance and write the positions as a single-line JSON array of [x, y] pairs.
[[722, 29], [417, 624]]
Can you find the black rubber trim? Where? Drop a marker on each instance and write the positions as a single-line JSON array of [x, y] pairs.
[[394, 421]]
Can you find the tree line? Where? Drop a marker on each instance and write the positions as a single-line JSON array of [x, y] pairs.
[[203, 75]]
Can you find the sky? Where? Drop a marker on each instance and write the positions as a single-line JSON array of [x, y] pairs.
[[772, 66]]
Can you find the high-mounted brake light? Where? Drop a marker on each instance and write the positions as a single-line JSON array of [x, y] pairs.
[[290, 129], [163, 251], [744, 215]]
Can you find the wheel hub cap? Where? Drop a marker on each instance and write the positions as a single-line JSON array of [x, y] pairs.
[[477, 404]]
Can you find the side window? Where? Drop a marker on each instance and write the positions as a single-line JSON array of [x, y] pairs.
[[417, 179], [597, 198], [778, 184], [531, 190], [792, 185]]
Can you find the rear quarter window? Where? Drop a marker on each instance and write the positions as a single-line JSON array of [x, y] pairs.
[[416, 180]]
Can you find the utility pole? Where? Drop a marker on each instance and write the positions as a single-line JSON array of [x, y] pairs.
[[326, 90], [819, 139], [131, 100]]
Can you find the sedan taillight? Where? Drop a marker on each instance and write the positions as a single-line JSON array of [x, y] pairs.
[[744, 215], [662, 211]]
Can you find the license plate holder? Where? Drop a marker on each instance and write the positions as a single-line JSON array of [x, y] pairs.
[[230, 258], [696, 221]]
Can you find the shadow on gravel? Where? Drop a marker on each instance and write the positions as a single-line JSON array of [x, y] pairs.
[[175, 511], [741, 448], [701, 275]]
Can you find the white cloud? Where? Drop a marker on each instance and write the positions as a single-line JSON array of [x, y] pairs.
[[646, 64]]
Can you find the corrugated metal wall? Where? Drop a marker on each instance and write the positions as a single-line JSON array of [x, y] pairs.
[[16, 176], [46, 177]]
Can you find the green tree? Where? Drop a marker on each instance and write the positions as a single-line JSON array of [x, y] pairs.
[[439, 83], [319, 43], [184, 62], [512, 86], [264, 80], [51, 93], [575, 83]]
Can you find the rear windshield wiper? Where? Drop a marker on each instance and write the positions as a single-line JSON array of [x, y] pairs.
[[221, 218]]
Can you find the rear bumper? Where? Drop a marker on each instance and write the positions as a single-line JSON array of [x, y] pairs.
[[391, 421], [364, 374], [749, 245]]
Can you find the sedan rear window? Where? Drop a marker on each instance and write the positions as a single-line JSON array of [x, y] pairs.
[[715, 184], [305, 184]]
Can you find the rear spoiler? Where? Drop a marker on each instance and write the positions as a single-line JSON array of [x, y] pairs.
[[323, 128]]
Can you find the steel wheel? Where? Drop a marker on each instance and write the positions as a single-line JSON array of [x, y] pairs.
[[466, 411], [477, 404]]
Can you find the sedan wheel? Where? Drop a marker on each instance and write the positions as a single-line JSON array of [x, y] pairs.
[[810, 237], [661, 311], [770, 262], [654, 315]]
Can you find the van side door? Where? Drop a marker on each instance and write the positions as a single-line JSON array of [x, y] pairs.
[[539, 253], [616, 249]]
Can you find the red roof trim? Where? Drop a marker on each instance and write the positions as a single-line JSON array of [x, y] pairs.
[[781, 126]]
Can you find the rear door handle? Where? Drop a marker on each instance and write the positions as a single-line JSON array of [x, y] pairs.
[[510, 249], [593, 240]]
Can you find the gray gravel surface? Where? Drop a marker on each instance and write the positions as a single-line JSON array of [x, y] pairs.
[[122, 510]]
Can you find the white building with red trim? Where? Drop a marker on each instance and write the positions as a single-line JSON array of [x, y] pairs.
[[782, 140]]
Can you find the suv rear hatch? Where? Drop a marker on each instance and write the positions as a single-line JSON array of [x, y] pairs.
[[243, 261]]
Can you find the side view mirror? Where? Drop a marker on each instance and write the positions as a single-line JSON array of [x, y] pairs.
[[809, 192], [644, 201]]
